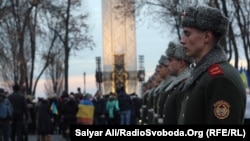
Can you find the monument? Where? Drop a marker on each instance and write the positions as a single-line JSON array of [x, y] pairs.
[[119, 48]]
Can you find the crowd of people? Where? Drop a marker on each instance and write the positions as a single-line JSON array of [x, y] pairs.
[[55, 115]]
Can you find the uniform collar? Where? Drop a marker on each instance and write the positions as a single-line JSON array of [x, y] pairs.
[[216, 55]]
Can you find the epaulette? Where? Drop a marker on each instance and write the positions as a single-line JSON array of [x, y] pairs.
[[215, 70]]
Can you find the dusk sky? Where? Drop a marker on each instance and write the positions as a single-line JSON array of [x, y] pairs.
[[151, 41]]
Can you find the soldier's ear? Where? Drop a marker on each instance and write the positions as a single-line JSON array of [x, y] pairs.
[[208, 36], [182, 63]]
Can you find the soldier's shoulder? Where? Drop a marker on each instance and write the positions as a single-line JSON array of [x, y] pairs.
[[215, 70]]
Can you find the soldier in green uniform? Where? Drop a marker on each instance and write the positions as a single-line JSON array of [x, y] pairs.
[[143, 106], [156, 81], [144, 109], [178, 66], [161, 99], [214, 93], [163, 72]]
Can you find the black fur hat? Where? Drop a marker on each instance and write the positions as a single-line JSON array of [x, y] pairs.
[[177, 51], [206, 18]]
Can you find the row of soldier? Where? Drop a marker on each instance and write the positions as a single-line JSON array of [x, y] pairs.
[[170, 73], [194, 82]]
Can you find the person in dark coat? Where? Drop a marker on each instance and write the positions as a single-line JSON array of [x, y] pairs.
[[100, 109], [68, 114], [45, 120], [5, 122], [125, 105], [32, 115], [214, 93], [136, 106], [20, 114]]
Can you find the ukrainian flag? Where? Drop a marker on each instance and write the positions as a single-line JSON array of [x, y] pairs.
[[53, 108], [85, 114], [243, 75]]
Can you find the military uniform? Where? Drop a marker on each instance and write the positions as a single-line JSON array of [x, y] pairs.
[[161, 98], [144, 109], [215, 94], [150, 101], [171, 104], [157, 94]]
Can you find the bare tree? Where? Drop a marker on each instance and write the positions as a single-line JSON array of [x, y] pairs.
[[72, 30], [23, 38], [15, 41], [55, 76], [242, 15]]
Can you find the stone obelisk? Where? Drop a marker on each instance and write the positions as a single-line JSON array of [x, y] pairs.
[[119, 48]]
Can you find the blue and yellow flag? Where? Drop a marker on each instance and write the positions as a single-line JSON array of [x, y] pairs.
[[243, 75], [85, 114], [53, 108]]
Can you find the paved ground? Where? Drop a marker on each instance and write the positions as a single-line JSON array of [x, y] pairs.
[[53, 138]]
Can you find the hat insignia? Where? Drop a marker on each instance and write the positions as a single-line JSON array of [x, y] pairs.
[[221, 109]]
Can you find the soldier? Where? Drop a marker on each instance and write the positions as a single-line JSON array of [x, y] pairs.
[[144, 109], [163, 72], [150, 102], [214, 93], [161, 99], [178, 66]]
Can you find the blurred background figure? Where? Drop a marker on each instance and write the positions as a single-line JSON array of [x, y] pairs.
[[125, 105], [68, 114], [31, 125], [44, 120], [135, 111], [5, 121], [20, 115], [111, 107], [85, 114], [100, 109]]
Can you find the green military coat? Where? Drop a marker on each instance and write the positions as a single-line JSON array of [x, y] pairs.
[[150, 102], [161, 98], [171, 105], [214, 95], [144, 109], [160, 89]]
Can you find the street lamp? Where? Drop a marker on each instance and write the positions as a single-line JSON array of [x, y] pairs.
[[141, 72], [84, 81], [98, 74]]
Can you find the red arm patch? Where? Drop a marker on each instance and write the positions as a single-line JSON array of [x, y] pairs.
[[215, 70]]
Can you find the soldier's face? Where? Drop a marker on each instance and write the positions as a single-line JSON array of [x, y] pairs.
[[173, 66], [163, 71], [193, 41]]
